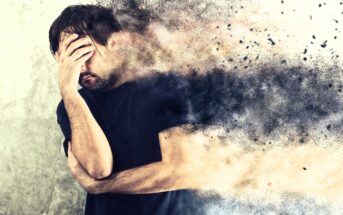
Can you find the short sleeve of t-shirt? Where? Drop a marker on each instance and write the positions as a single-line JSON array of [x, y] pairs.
[[170, 102], [64, 123], [172, 111]]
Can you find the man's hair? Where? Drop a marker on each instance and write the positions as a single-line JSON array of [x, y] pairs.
[[96, 21]]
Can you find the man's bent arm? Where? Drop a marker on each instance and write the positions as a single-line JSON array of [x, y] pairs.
[[89, 143], [181, 168]]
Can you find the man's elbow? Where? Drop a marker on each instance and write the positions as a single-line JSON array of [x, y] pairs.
[[100, 170], [97, 172]]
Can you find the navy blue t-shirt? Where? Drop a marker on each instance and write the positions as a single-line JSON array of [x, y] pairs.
[[131, 117]]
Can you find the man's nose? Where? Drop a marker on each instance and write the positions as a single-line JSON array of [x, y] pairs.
[[83, 68]]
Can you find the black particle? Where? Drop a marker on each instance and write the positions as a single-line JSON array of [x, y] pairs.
[[335, 37], [324, 44], [330, 85], [282, 1], [305, 51], [283, 62], [314, 37], [320, 5], [304, 168], [229, 25], [241, 41], [245, 58], [271, 41], [328, 127], [305, 58]]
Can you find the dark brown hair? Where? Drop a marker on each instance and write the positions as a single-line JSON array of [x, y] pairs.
[[96, 21]]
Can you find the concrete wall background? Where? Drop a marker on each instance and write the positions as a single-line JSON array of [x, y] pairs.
[[34, 175]]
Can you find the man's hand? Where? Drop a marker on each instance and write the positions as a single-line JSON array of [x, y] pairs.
[[88, 183], [71, 56]]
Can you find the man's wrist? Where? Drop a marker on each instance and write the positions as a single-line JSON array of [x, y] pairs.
[[68, 91], [99, 186]]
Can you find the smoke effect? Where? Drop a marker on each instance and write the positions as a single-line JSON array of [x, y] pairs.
[[257, 75], [183, 35]]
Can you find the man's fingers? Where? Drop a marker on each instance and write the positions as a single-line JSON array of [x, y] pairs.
[[77, 44], [66, 39], [79, 62], [81, 51], [56, 55], [71, 158]]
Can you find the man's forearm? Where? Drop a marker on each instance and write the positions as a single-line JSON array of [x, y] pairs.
[[151, 178], [89, 143]]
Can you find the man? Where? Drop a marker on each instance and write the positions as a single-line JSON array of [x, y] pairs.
[[112, 126]]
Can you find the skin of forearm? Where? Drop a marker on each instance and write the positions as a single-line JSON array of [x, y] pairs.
[[152, 178], [179, 169], [89, 143]]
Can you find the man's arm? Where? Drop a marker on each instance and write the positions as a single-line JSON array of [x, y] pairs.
[[89, 143], [176, 171]]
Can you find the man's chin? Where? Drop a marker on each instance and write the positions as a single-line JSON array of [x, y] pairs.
[[94, 87]]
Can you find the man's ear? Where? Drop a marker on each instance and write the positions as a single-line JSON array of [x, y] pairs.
[[111, 42]]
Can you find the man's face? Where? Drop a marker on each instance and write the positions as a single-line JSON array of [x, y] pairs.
[[104, 68], [98, 73]]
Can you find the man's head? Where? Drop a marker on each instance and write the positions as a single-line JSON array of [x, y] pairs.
[[95, 21], [100, 25]]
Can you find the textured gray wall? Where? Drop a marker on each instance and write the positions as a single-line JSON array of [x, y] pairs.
[[34, 174]]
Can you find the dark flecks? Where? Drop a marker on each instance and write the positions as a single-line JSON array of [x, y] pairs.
[[324, 44], [218, 96], [271, 41], [304, 168], [328, 127]]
